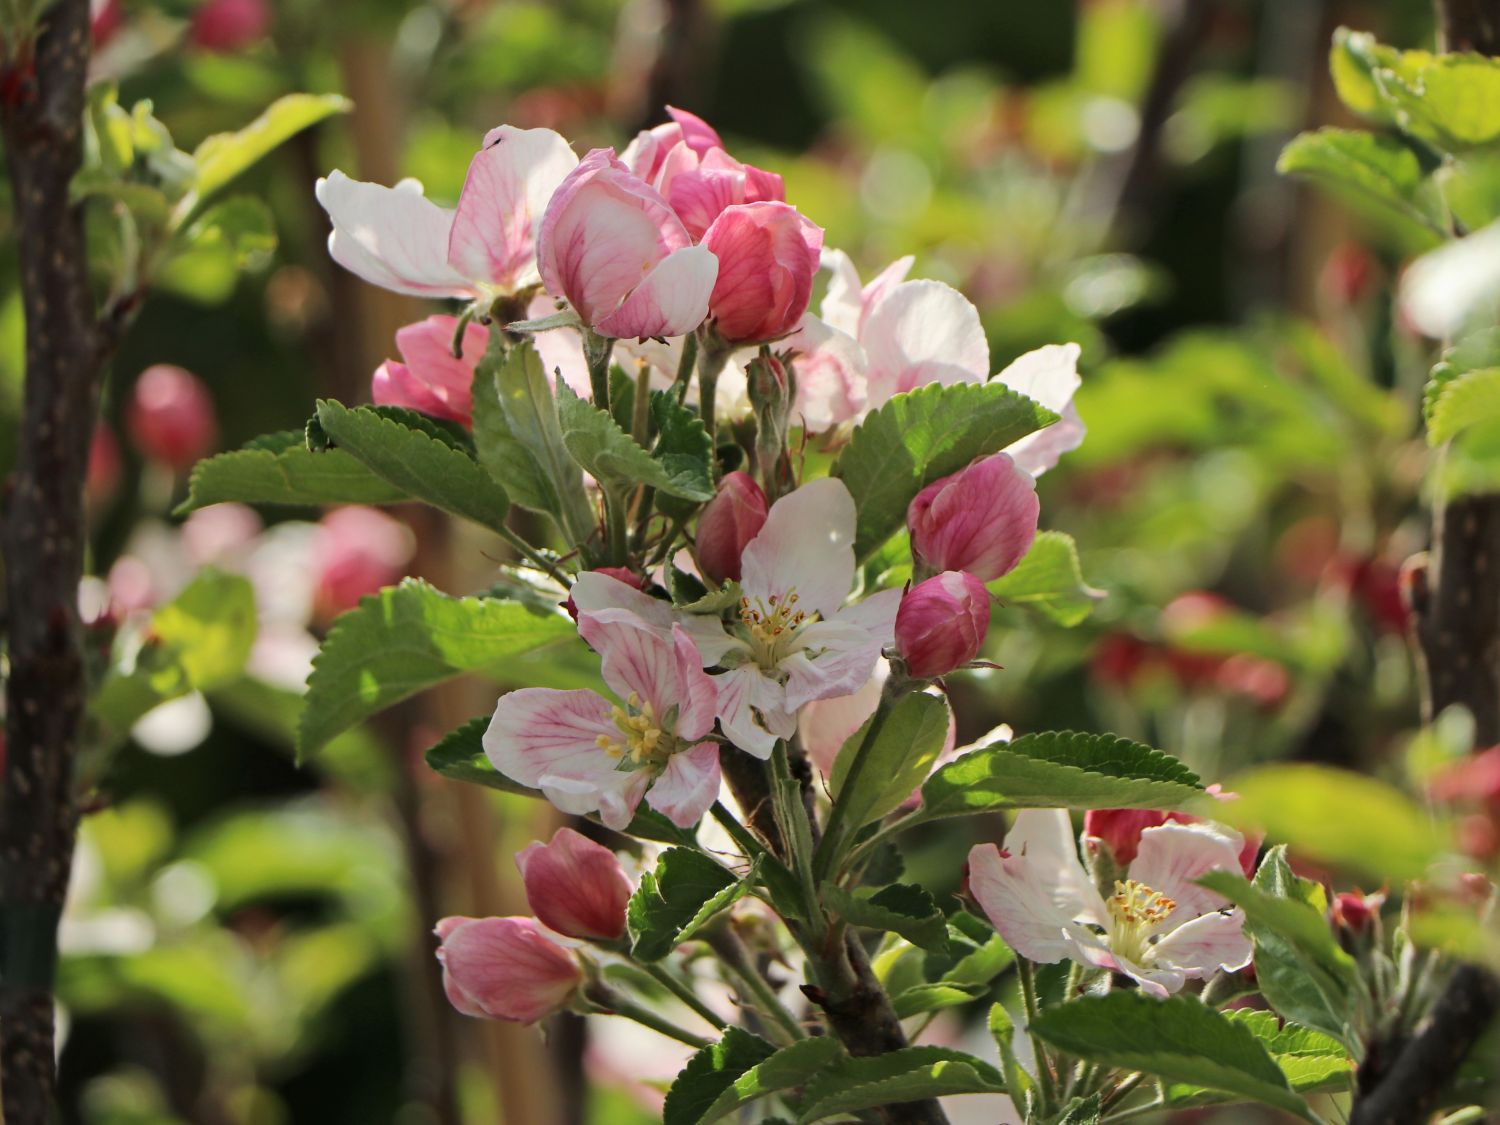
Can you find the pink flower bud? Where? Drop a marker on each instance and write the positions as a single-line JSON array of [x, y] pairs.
[[700, 185], [575, 886], [1471, 780], [432, 379], [171, 416], [731, 519], [645, 155], [982, 519], [505, 968], [612, 246], [941, 623], [1355, 912], [357, 551], [768, 254], [226, 26]]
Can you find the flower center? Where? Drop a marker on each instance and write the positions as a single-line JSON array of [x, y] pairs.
[[644, 739], [771, 624], [1136, 912]]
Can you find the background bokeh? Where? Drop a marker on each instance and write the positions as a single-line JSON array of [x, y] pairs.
[[247, 939]]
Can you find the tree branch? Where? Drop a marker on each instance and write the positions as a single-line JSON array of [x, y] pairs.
[[67, 347]]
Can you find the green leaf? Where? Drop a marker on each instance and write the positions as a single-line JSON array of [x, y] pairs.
[[1059, 769], [280, 469], [1471, 399], [519, 439], [894, 763], [1371, 165], [1082, 1111], [420, 461], [1018, 1082], [669, 901], [931, 997], [1050, 581], [787, 1069], [1448, 101], [1179, 1039], [919, 437], [710, 1073], [1312, 1061], [223, 156], [405, 639], [241, 227], [460, 755], [901, 908], [905, 1075], [1352, 61], [1300, 968], [198, 641], [683, 447], [1337, 818], [612, 456]]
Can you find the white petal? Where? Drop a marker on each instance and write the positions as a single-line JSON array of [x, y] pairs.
[[392, 237], [1443, 288], [1016, 894], [1046, 837], [806, 546], [1047, 375], [1205, 945], [1038, 452], [671, 300], [923, 332], [1173, 857], [841, 305], [688, 786], [751, 710], [593, 593]]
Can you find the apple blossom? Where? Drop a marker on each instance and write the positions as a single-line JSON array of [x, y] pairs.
[[701, 185], [646, 154], [505, 968], [768, 254], [1160, 928], [981, 519], [400, 240], [729, 522], [941, 624], [585, 754], [575, 886], [356, 551], [612, 246], [1120, 830], [171, 416], [792, 639], [432, 379]]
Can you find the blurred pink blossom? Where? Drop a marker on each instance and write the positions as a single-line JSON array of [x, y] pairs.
[[170, 416], [357, 551]]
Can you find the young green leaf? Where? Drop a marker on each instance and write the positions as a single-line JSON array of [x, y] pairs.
[[901, 908], [1059, 769], [683, 447], [1082, 1111], [279, 469], [669, 901], [420, 461], [710, 1073], [932, 997], [894, 763], [613, 457], [223, 156], [1471, 399], [1050, 581], [905, 1075], [787, 1069], [1179, 1039], [405, 639], [519, 439], [921, 436], [1370, 165]]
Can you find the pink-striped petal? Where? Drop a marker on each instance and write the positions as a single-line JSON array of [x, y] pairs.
[[1050, 376], [923, 332], [752, 710], [688, 785], [509, 182], [694, 695], [1016, 897], [671, 300], [1205, 945], [1173, 857]]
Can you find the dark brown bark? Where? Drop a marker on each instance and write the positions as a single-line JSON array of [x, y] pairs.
[[67, 347], [1455, 601]]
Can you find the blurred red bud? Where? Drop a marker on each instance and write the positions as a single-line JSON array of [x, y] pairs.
[[227, 26], [358, 551], [171, 416]]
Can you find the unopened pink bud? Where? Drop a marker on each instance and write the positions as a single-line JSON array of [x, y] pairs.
[[575, 886], [768, 254], [226, 26], [1355, 912], [732, 518], [505, 968], [1120, 829], [171, 416], [941, 623], [982, 519]]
